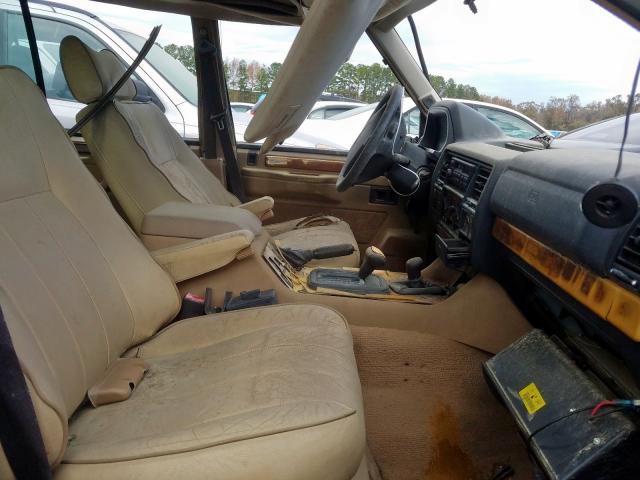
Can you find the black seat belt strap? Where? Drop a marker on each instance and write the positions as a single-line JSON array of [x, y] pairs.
[[19, 431], [104, 101], [216, 102], [33, 46]]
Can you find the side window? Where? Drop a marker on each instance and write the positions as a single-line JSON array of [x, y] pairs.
[[333, 111], [412, 121], [251, 67], [14, 46], [317, 114], [510, 124]]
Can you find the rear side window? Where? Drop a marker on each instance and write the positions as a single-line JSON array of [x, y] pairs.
[[333, 111]]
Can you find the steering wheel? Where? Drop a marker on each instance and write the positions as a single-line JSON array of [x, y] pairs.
[[371, 155]]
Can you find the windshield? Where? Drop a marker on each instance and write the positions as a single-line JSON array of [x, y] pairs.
[[542, 58], [171, 69]]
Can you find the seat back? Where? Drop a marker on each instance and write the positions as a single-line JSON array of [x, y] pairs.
[[76, 286], [141, 156]]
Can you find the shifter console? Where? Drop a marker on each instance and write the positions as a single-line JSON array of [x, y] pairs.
[[363, 281]]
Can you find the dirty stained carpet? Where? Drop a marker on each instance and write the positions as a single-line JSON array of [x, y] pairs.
[[429, 413]]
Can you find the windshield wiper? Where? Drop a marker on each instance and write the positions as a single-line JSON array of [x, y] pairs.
[[544, 139]]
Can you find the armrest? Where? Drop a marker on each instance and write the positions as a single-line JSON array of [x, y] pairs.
[[190, 259], [196, 220], [261, 207]]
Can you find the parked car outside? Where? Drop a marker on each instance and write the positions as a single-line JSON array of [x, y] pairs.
[[606, 134], [344, 128], [160, 78], [241, 107], [324, 108]]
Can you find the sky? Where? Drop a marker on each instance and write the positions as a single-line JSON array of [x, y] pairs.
[[518, 49]]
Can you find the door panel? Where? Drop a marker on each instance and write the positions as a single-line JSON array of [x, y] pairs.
[[304, 183]]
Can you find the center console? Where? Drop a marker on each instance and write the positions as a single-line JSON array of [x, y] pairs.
[[456, 193]]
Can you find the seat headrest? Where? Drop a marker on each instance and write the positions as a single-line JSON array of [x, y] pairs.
[[90, 74]]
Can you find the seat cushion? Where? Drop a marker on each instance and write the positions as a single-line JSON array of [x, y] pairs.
[[262, 393], [308, 238]]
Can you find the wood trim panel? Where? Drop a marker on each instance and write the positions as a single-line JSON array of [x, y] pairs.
[[299, 163], [607, 299]]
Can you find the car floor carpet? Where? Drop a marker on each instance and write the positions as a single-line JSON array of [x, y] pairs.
[[429, 413]]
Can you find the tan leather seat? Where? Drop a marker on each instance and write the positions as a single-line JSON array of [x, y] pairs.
[[147, 164], [269, 393]]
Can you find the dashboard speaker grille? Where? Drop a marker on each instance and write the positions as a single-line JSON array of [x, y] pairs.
[[629, 256]]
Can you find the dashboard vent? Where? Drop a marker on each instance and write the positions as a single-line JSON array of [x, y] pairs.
[[482, 177], [629, 256]]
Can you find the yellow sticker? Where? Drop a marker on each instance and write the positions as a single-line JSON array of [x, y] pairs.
[[532, 398]]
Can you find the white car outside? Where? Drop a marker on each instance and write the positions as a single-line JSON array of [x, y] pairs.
[[344, 128], [159, 78], [325, 109]]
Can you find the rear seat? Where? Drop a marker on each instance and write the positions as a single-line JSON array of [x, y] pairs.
[[263, 393]]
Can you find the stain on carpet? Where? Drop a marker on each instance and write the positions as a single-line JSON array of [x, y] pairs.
[[429, 413]]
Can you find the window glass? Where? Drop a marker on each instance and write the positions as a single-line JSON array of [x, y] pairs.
[[333, 111], [563, 78], [510, 124], [317, 114], [175, 72], [16, 44], [49, 34], [253, 60], [412, 121]]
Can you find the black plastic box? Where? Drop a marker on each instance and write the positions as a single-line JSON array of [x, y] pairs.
[[551, 399]]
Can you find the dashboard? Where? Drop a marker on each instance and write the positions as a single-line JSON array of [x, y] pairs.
[[523, 214], [562, 236]]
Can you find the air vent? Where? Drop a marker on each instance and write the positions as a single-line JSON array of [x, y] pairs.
[[482, 177], [629, 256]]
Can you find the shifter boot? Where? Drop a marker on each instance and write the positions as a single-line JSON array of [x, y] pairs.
[[346, 281]]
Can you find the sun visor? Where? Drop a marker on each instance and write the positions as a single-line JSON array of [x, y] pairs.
[[326, 38]]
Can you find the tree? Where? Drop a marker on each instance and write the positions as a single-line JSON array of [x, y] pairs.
[[243, 76], [263, 82], [272, 72], [253, 70], [185, 54], [370, 82]]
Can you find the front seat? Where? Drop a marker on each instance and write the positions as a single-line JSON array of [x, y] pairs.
[[147, 164], [269, 393]]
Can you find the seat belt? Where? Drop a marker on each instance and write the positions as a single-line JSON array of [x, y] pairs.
[[19, 431], [106, 99], [218, 105], [33, 46]]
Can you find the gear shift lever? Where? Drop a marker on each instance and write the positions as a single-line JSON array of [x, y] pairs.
[[373, 259], [414, 284], [414, 268]]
